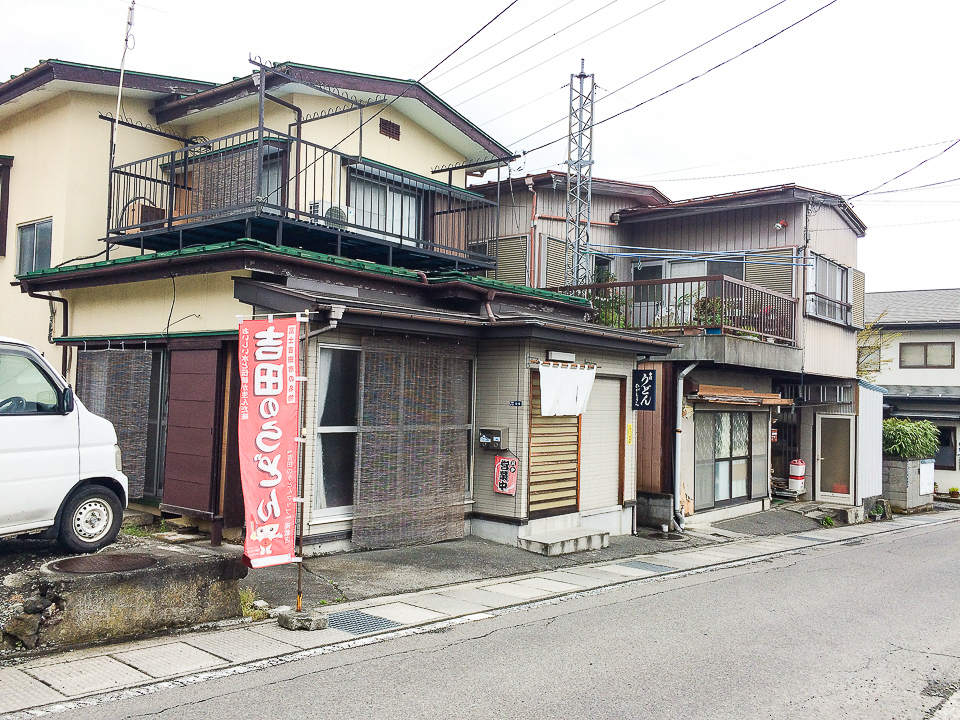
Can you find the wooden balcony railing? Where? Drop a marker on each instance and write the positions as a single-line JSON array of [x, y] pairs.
[[716, 303]]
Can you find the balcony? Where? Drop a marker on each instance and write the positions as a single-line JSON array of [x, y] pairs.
[[278, 188], [708, 305]]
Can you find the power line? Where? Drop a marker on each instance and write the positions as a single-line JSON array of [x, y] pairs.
[[669, 62], [910, 170], [410, 87], [917, 187], [799, 167], [525, 27], [529, 47], [695, 77], [564, 52]]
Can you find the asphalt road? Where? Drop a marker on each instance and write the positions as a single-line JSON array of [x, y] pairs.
[[861, 629]]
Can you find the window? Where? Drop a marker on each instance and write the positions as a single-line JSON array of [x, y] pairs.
[[927, 355], [828, 291], [730, 450], [946, 457], [385, 206], [24, 388], [338, 376], [33, 246]]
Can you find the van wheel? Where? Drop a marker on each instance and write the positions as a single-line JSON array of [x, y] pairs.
[[91, 519]]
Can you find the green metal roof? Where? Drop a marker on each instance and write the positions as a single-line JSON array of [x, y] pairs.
[[323, 258]]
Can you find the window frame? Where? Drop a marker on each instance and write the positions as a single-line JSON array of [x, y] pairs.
[[926, 365], [820, 303], [951, 431], [35, 224]]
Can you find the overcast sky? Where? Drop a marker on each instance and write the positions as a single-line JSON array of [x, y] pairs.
[[859, 78]]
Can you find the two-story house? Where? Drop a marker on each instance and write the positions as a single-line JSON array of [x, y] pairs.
[[340, 196], [761, 289], [918, 367]]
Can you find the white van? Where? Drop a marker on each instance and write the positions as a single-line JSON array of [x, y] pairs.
[[59, 463]]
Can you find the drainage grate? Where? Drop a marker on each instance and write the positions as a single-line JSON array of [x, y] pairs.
[[811, 539], [107, 563], [640, 565], [358, 623]]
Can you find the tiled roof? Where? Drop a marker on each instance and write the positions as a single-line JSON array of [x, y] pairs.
[[914, 306], [923, 391]]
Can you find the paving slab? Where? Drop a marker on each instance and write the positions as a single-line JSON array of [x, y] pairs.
[[597, 573], [89, 675], [405, 614], [481, 597], [18, 690], [555, 586], [629, 572], [584, 581], [445, 604], [522, 592], [302, 639], [240, 646], [167, 660]]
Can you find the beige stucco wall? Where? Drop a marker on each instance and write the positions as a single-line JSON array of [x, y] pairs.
[[61, 160], [203, 303]]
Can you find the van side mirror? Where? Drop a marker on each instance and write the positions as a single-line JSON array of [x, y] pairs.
[[66, 401]]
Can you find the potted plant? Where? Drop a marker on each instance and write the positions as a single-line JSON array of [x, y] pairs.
[[908, 445], [954, 492], [877, 514]]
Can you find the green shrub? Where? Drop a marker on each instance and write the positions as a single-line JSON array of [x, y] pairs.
[[909, 440]]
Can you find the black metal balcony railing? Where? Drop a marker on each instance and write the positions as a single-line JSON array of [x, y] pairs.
[[280, 176], [715, 303]]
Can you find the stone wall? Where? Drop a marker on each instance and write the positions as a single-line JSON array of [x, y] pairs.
[[901, 486]]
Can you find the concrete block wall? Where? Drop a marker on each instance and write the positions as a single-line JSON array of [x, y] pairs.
[[901, 485]]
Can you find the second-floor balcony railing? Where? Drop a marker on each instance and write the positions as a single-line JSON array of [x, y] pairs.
[[715, 303], [276, 175]]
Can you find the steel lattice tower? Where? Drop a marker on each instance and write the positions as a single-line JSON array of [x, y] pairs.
[[578, 263]]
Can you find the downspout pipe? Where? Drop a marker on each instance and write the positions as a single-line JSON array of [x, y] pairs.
[[66, 326], [677, 501], [334, 316], [533, 257], [486, 305]]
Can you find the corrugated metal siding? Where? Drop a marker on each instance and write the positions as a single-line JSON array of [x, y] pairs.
[[778, 278], [829, 349], [601, 446], [869, 444], [554, 459], [501, 377], [858, 283], [556, 262]]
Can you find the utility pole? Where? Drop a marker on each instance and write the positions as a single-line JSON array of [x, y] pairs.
[[578, 262]]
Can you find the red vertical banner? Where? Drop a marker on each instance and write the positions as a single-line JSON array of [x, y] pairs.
[[269, 424]]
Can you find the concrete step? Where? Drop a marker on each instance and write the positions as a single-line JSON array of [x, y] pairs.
[[564, 542], [137, 518]]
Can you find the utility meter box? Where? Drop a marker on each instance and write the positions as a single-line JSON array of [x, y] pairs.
[[494, 438]]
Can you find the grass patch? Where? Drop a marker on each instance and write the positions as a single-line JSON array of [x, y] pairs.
[[146, 530], [247, 596]]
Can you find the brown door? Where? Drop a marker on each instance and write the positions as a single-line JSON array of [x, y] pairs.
[[190, 470]]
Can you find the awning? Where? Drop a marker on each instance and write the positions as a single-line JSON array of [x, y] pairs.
[[925, 415], [730, 395], [565, 388]]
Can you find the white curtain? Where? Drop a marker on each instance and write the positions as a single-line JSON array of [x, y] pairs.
[[564, 390], [324, 361]]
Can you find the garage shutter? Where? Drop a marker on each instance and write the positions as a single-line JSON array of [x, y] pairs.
[[601, 449], [554, 455]]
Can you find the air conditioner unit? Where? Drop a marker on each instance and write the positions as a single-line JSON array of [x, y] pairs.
[[331, 214]]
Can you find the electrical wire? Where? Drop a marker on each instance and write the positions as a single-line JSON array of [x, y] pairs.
[[554, 57], [410, 87], [910, 170], [660, 67], [687, 82], [529, 47], [917, 187], [513, 34]]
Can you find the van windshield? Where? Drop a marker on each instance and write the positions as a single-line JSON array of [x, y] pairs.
[[24, 387]]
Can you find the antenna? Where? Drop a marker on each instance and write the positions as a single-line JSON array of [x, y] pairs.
[[579, 179], [127, 39]]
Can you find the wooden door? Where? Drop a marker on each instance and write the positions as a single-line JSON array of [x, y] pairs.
[[191, 469], [554, 460]]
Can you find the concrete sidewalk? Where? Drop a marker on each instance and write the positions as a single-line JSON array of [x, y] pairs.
[[111, 672]]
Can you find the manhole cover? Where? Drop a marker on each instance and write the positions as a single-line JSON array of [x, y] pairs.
[[359, 623], [114, 562], [676, 537]]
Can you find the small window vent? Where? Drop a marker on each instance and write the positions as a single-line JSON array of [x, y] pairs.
[[390, 129]]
